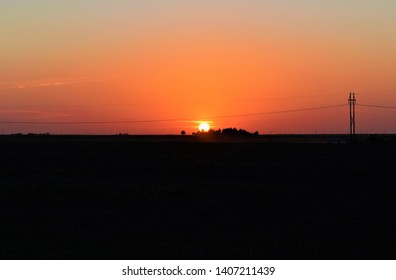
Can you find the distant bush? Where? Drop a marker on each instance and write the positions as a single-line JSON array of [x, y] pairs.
[[373, 138], [30, 134]]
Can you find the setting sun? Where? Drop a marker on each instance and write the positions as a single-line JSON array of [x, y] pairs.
[[204, 127]]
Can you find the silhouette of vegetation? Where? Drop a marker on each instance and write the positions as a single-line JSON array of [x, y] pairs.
[[232, 132], [183, 132], [30, 134], [238, 132], [373, 138]]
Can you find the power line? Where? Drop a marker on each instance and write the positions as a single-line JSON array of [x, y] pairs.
[[278, 112], [376, 106], [171, 120], [377, 94]]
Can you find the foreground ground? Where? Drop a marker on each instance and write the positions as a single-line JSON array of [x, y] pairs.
[[136, 198]]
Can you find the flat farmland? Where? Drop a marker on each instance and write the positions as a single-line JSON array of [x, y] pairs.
[[81, 197]]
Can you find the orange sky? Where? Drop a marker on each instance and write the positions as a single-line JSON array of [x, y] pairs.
[[84, 61]]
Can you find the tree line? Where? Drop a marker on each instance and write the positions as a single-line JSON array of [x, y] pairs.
[[225, 132]]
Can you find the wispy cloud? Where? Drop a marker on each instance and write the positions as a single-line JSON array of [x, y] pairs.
[[46, 83], [30, 115]]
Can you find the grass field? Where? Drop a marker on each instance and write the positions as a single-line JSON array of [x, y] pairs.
[[130, 197]]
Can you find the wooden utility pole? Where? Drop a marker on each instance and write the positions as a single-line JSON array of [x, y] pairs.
[[352, 103]]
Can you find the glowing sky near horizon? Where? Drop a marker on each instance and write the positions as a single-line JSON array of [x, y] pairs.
[[188, 61]]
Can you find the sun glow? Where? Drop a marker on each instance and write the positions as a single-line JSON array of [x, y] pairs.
[[204, 127]]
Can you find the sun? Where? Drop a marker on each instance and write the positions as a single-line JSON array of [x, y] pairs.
[[204, 127]]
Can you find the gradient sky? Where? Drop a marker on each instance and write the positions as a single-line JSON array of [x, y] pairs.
[[83, 61]]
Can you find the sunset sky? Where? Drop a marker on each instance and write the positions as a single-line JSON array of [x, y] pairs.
[[159, 67]]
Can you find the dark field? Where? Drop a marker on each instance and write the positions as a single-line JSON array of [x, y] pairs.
[[182, 198]]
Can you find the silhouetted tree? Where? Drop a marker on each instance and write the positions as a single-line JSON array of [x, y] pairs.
[[235, 132], [214, 132], [227, 132], [183, 132]]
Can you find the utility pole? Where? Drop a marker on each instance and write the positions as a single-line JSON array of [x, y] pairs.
[[352, 103]]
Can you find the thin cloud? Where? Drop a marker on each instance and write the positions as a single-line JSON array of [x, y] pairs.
[[30, 115], [201, 121], [46, 83]]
